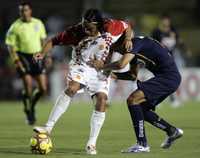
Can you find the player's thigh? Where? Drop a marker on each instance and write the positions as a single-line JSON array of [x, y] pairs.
[[77, 73], [135, 98], [73, 87], [41, 80], [101, 101], [98, 85], [27, 81]]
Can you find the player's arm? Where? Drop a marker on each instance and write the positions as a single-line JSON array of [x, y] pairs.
[[124, 76], [117, 28], [11, 42], [45, 49], [120, 64], [13, 53], [60, 39], [129, 34], [15, 58], [129, 75]]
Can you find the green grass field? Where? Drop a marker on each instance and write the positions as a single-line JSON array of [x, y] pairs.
[[71, 132]]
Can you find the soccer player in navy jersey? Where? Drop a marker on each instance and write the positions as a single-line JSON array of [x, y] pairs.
[[142, 102]]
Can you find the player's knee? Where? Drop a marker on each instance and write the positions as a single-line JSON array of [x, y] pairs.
[[101, 98], [71, 91], [136, 98], [101, 102], [43, 90], [28, 90], [129, 100], [133, 100]]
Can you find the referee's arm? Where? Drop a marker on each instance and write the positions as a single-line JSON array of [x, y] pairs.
[[11, 42]]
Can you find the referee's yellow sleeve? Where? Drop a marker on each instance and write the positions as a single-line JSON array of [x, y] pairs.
[[11, 37], [43, 33]]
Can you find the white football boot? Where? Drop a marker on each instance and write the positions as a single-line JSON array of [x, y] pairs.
[[136, 149], [91, 150], [170, 139], [40, 129]]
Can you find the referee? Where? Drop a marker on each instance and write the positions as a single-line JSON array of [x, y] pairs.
[[25, 38]]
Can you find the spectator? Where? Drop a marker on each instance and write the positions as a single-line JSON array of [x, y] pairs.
[[167, 35]]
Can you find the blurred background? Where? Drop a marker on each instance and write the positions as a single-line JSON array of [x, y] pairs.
[[147, 17]]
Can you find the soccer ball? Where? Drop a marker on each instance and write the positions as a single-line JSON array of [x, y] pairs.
[[40, 144]]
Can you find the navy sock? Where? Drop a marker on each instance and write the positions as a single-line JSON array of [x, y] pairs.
[[158, 122], [137, 117]]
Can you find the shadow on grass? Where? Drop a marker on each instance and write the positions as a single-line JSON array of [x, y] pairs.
[[71, 151], [26, 151], [15, 151]]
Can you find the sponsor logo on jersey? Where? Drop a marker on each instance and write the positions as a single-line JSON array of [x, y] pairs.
[[36, 28]]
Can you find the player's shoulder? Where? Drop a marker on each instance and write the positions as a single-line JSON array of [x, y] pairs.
[[15, 25], [111, 23], [36, 20], [115, 27]]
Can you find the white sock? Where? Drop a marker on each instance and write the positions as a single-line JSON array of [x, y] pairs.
[[61, 105], [96, 122]]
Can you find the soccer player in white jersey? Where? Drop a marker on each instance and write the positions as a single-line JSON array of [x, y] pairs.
[[95, 45]]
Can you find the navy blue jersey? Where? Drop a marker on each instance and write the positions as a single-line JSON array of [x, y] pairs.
[[153, 55], [160, 62]]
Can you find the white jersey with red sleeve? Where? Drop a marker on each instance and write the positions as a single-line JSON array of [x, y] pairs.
[[115, 28], [79, 70], [91, 48]]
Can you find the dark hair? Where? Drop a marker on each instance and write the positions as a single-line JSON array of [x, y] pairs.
[[24, 3], [94, 15], [165, 16]]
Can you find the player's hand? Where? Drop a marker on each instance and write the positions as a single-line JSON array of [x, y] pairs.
[[19, 66], [38, 57], [97, 64], [128, 44]]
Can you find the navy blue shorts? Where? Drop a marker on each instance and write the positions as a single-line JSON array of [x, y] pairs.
[[159, 87]]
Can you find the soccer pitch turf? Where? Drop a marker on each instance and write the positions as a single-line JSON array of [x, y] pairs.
[[71, 132]]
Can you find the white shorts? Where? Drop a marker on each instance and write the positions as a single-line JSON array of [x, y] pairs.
[[93, 81]]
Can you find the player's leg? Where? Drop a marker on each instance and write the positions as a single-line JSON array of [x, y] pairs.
[[172, 132], [75, 81], [96, 122], [61, 105], [98, 87], [156, 91], [41, 90], [27, 82], [134, 103], [26, 96]]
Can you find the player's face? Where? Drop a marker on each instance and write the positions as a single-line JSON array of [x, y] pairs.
[[90, 29], [25, 12], [166, 25]]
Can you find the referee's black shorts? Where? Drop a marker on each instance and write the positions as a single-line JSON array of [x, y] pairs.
[[31, 67]]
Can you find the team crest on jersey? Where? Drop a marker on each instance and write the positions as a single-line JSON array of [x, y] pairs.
[[78, 77], [101, 47], [36, 28]]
